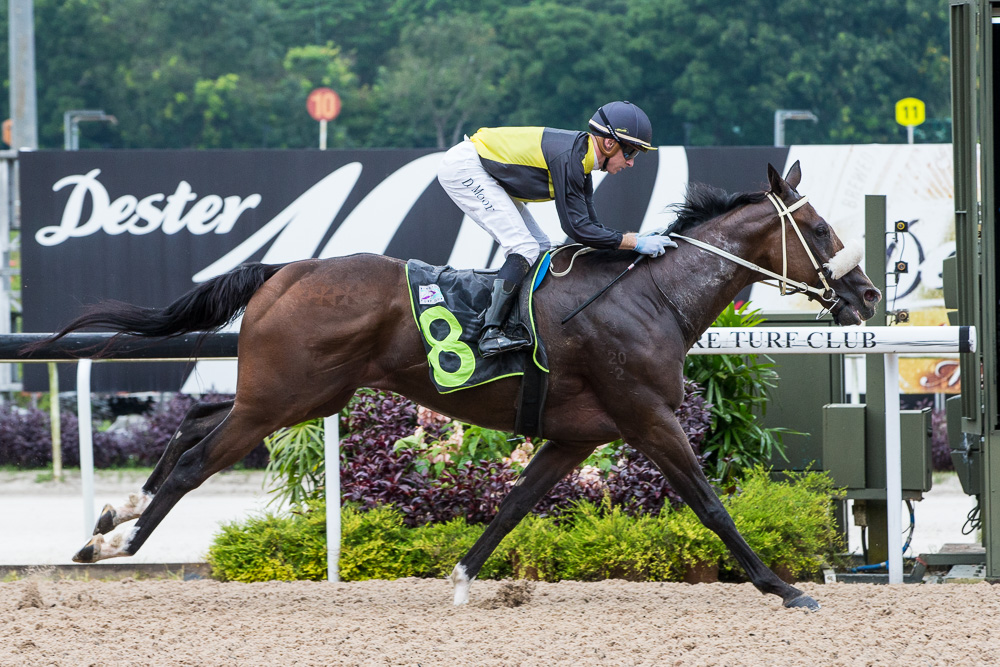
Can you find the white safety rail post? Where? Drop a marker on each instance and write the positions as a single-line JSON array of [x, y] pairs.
[[893, 470], [86, 443], [887, 341], [331, 454]]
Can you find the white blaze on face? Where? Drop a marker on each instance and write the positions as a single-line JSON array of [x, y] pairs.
[[845, 260]]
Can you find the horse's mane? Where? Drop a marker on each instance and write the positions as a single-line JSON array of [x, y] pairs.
[[704, 202]]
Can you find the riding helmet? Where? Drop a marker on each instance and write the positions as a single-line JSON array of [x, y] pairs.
[[624, 122]]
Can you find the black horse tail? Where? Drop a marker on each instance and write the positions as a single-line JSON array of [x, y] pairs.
[[206, 308]]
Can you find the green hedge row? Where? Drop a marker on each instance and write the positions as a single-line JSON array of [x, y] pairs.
[[789, 524]]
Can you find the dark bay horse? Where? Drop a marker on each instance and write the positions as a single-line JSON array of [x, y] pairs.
[[315, 331]]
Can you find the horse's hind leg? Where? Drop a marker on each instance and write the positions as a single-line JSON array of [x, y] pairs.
[[552, 462], [239, 432], [231, 440], [198, 422]]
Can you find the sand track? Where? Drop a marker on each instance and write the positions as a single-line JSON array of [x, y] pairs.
[[412, 621]]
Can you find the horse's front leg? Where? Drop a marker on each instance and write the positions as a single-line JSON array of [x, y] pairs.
[[549, 465], [663, 440], [198, 422]]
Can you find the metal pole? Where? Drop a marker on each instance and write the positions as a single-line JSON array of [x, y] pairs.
[[331, 453], [893, 470], [781, 115], [56, 426], [7, 244], [71, 125], [86, 444], [23, 99], [322, 135]]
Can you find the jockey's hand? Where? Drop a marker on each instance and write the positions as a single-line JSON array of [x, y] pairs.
[[654, 245]]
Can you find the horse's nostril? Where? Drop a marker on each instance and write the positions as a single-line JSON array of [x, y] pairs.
[[872, 296]]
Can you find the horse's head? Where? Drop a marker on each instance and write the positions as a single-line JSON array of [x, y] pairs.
[[807, 250]]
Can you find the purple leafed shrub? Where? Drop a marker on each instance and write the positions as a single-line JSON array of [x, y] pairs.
[[26, 439], [373, 474]]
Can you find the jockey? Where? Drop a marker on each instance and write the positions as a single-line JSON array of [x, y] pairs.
[[493, 174]]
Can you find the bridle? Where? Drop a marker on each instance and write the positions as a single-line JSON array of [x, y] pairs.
[[785, 284]]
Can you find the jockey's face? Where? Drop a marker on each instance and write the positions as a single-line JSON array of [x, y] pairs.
[[617, 162]]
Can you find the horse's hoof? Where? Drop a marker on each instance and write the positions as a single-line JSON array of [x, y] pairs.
[[107, 521], [91, 551], [804, 602]]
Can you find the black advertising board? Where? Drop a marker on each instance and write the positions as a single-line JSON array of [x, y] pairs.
[[146, 226]]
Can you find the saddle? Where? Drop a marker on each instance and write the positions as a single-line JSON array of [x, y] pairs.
[[448, 306]]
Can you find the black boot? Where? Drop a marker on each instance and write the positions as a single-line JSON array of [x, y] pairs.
[[494, 340]]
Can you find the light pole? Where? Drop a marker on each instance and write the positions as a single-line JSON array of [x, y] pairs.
[[71, 125], [781, 115]]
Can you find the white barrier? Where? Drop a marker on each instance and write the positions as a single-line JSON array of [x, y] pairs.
[[835, 340]]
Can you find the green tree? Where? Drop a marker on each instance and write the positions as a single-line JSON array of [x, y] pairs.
[[729, 67], [232, 73], [443, 75], [566, 61]]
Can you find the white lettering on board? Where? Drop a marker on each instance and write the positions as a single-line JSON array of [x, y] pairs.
[[130, 214]]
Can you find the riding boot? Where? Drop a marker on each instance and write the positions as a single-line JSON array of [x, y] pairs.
[[494, 340]]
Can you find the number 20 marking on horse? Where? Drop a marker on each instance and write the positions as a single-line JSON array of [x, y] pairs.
[[450, 343]]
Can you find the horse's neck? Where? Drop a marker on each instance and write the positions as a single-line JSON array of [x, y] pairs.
[[699, 284]]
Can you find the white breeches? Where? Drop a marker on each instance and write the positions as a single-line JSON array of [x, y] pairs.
[[482, 198]]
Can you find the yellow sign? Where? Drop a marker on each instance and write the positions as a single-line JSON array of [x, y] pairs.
[[910, 112]]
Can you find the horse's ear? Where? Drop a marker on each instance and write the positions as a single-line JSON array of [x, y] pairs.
[[794, 175], [774, 179]]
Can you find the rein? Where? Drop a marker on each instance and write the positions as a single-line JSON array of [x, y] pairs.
[[784, 212]]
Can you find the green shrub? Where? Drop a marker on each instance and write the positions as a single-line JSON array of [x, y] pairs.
[[374, 545], [296, 463], [790, 523], [436, 548], [458, 443], [692, 543], [533, 549], [606, 543], [269, 547]]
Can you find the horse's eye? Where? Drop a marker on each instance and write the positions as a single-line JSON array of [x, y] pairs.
[[822, 229]]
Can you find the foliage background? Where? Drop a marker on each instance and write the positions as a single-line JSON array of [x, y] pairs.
[[419, 73]]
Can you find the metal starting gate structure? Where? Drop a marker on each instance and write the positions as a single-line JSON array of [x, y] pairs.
[[971, 284]]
